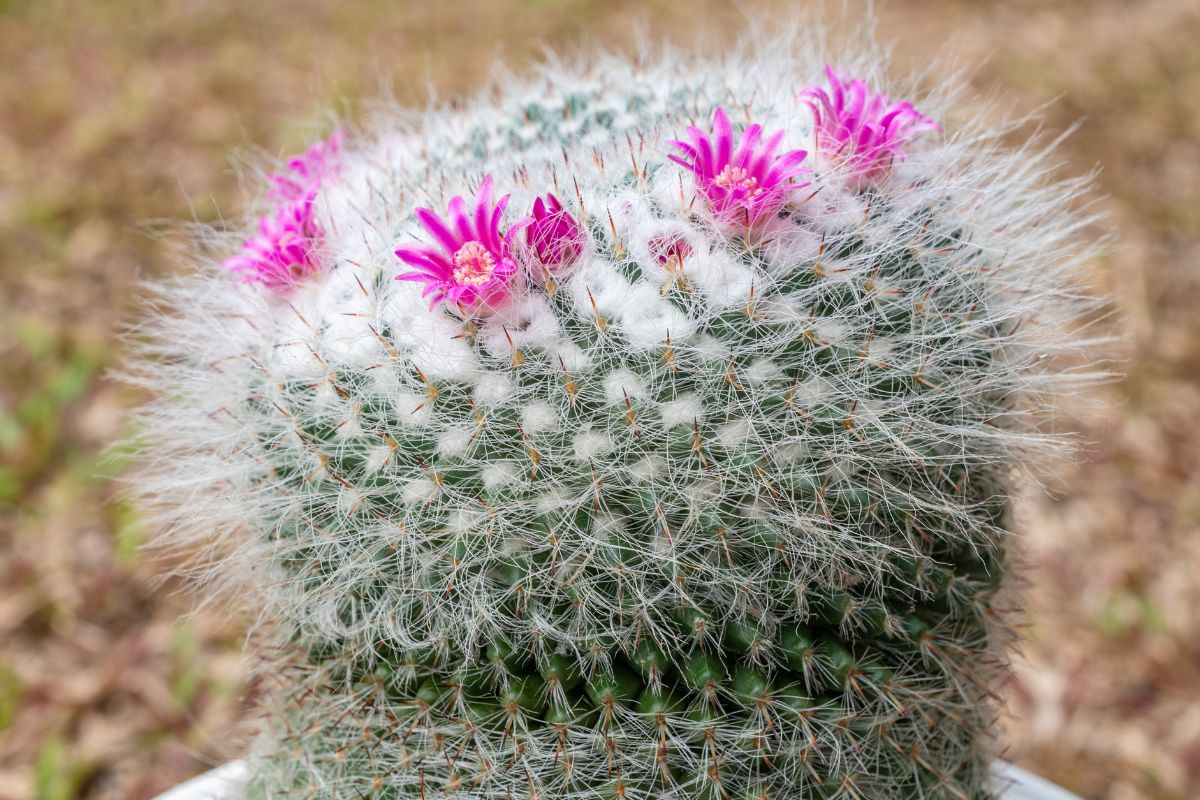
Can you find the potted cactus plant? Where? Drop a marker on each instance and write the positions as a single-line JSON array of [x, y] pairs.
[[642, 430]]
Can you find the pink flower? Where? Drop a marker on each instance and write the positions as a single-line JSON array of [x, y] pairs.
[[283, 252], [742, 186], [863, 130], [665, 248], [307, 171], [555, 236], [472, 266]]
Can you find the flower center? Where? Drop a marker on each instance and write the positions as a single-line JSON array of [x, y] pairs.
[[732, 178], [473, 264]]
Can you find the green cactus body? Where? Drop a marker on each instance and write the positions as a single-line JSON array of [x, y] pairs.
[[722, 519]]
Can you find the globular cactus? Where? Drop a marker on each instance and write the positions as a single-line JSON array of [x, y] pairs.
[[680, 470]]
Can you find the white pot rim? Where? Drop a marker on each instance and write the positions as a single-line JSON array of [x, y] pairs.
[[228, 781]]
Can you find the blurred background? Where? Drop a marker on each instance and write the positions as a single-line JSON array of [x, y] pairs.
[[117, 115]]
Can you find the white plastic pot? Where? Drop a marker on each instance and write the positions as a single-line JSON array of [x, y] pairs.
[[226, 783]]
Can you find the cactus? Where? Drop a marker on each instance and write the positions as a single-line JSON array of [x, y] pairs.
[[681, 470]]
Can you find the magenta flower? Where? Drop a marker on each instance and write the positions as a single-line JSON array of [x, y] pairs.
[[307, 171], [555, 236], [866, 131], [283, 251], [742, 186], [472, 266], [665, 248]]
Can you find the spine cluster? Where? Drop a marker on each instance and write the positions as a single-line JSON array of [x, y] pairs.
[[690, 482]]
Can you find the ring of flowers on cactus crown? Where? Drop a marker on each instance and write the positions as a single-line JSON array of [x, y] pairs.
[[862, 130], [470, 268], [742, 186]]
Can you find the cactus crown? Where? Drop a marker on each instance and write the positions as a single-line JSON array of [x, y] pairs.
[[691, 483]]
